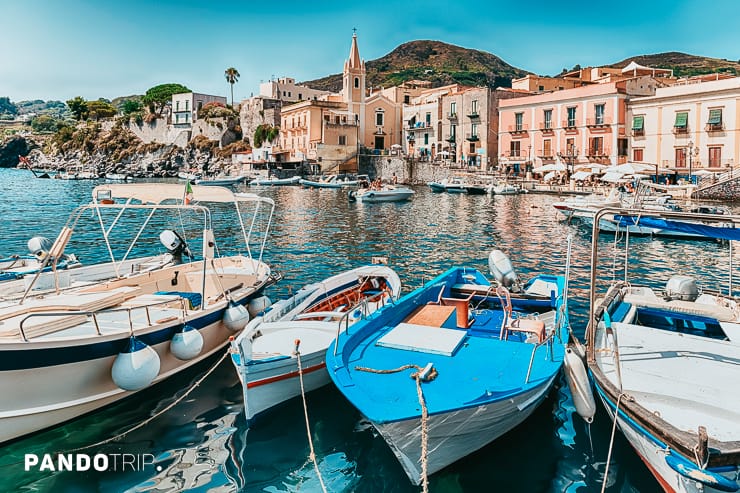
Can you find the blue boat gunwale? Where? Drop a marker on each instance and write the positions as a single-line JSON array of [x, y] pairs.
[[364, 332]]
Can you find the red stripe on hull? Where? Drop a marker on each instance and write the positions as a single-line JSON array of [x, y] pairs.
[[284, 376], [662, 482]]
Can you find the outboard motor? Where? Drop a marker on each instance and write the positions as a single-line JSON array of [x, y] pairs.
[[174, 243], [503, 271], [39, 246], [682, 288]]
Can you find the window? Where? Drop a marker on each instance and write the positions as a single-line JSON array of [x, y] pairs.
[[515, 148], [680, 157], [177, 105], [622, 147], [596, 146], [453, 109], [177, 119], [336, 119], [300, 96], [547, 148], [357, 82], [200, 105], [326, 118], [548, 119], [379, 118], [284, 94], [342, 140], [474, 130], [638, 125], [289, 95], [426, 139], [453, 130], [518, 121], [637, 155], [682, 122], [599, 114], [474, 107], [715, 119], [428, 119], [715, 157], [187, 105], [541, 88], [406, 99], [570, 146], [571, 117]]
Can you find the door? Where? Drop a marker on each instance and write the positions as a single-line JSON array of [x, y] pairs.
[[380, 142]]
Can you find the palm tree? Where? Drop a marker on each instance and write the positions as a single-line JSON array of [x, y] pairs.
[[232, 76]]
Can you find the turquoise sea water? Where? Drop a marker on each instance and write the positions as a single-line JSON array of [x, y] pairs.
[[203, 443]]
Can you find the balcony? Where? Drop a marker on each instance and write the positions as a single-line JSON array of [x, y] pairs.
[[682, 131], [569, 124], [597, 123], [473, 114], [545, 154], [472, 137], [515, 155], [638, 132], [452, 116], [715, 127], [518, 129], [598, 152], [450, 138], [420, 126], [546, 127]]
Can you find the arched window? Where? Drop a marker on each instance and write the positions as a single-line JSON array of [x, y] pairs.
[[357, 82]]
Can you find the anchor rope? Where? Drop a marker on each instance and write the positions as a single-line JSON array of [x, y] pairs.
[[143, 423], [611, 443], [424, 413], [312, 453]]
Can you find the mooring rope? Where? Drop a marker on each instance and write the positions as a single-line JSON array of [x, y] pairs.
[[611, 443], [312, 454], [424, 412], [143, 423]]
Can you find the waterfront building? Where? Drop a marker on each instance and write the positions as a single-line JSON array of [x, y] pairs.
[[185, 106], [256, 111], [285, 89], [689, 126], [423, 119], [585, 124]]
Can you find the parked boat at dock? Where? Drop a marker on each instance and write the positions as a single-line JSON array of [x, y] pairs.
[[118, 177], [386, 193], [19, 266], [661, 362], [220, 181], [333, 181], [480, 370], [274, 182], [265, 352], [103, 341]]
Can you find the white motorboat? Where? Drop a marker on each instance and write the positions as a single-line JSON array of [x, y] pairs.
[[386, 193], [332, 181], [220, 181], [449, 185], [19, 266], [505, 189], [664, 363], [118, 177], [589, 203], [273, 182], [71, 349], [191, 175], [265, 352]]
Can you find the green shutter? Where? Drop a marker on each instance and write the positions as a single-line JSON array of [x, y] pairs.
[[715, 117], [682, 120], [638, 122]]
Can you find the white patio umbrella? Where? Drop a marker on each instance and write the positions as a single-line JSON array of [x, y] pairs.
[[593, 167], [550, 167], [702, 172], [630, 168], [613, 177], [581, 175], [548, 176]]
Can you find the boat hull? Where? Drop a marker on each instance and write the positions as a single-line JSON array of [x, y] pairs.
[[385, 196], [457, 434]]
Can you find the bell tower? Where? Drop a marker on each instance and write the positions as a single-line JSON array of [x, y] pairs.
[[353, 86]]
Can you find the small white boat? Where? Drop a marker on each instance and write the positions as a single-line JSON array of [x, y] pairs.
[[387, 193], [504, 189], [449, 185], [69, 350], [264, 353], [273, 182], [191, 176], [331, 182], [664, 363], [19, 266], [220, 181], [588, 203], [118, 177]]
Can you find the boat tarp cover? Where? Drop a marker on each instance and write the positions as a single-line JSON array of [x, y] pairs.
[[151, 193], [718, 232]]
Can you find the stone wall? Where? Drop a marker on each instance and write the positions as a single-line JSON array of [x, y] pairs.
[[407, 171], [258, 111], [728, 190], [160, 132]]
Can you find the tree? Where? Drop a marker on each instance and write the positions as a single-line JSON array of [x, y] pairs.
[[7, 108], [78, 107], [130, 106], [100, 109], [232, 76], [159, 96], [44, 123], [265, 133]]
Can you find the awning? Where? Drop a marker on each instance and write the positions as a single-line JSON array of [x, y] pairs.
[[638, 122], [156, 193], [715, 117], [682, 119]]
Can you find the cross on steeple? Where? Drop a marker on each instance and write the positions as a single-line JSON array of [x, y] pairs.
[[354, 31]]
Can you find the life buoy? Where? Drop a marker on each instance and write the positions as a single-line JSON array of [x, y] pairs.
[[107, 201]]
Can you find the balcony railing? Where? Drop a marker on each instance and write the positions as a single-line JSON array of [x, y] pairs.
[[598, 152], [420, 126], [545, 154], [681, 131], [569, 124], [597, 122], [514, 155], [473, 114], [514, 129], [638, 133], [714, 127], [452, 116], [472, 137], [451, 138], [546, 127]]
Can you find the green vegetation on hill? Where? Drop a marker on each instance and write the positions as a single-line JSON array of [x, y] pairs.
[[684, 65], [434, 61]]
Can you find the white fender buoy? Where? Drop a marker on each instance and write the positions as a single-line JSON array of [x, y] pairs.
[[235, 316], [258, 305], [580, 389], [186, 344], [136, 367]]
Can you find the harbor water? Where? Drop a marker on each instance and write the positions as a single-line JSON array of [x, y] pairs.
[[204, 444]]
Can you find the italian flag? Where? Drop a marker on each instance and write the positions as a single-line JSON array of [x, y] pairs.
[[188, 194]]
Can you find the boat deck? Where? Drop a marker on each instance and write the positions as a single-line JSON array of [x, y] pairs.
[[685, 379], [472, 369]]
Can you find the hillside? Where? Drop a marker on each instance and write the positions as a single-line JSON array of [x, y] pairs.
[[434, 61], [684, 65]]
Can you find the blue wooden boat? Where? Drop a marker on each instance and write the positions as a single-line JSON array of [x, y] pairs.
[[483, 360]]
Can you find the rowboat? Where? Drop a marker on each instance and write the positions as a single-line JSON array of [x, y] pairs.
[[662, 363], [477, 370], [265, 353], [70, 349]]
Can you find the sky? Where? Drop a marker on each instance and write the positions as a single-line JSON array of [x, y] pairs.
[[59, 49]]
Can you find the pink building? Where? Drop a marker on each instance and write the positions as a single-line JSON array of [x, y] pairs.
[[571, 126]]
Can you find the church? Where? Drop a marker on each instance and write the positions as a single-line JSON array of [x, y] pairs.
[[332, 129]]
